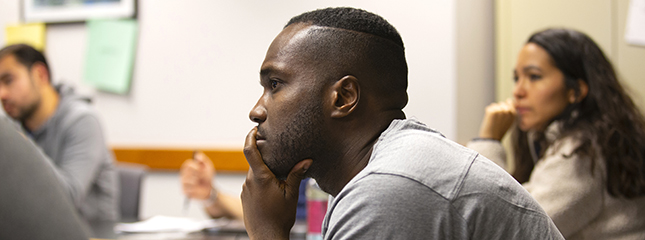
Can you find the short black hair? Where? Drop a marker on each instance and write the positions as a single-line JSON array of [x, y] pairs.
[[350, 19], [26, 55], [357, 39]]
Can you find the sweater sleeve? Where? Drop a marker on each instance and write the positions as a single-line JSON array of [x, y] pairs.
[[491, 149], [81, 156], [567, 188]]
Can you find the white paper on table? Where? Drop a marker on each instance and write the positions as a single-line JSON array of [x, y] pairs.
[[168, 224], [635, 29]]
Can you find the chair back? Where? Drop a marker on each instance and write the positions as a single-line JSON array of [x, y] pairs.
[[131, 178]]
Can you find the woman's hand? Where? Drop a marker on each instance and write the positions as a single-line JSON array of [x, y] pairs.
[[497, 120]]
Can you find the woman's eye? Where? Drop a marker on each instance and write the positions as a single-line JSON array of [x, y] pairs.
[[535, 77], [515, 78]]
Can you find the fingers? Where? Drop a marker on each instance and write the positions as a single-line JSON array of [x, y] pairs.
[[189, 185], [201, 157], [196, 179], [508, 106], [195, 187], [505, 109], [269, 205], [511, 106], [253, 156], [497, 120], [200, 164], [296, 175], [190, 168], [204, 163], [500, 107]]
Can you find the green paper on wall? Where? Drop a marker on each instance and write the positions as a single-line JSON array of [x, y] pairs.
[[110, 54]]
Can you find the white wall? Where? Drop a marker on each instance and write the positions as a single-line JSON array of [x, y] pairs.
[[196, 70], [475, 74], [162, 195]]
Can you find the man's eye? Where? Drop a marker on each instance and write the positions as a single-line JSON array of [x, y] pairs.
[[6, 81], [274, 84]]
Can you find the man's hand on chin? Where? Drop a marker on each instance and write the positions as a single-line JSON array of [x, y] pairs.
[[269, 204]]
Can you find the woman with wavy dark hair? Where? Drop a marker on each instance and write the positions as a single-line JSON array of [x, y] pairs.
[[579, 139]]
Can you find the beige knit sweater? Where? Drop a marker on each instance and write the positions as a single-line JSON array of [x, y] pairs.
[[575, 197]]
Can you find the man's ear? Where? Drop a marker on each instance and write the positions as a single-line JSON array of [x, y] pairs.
[[40, 74], [584, 90], [345, 95]]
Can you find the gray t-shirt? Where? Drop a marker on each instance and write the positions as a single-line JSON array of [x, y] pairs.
[[420, 185], [73, 139]]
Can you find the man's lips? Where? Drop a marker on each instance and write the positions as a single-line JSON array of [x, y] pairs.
[[7, 107], [259, 139], [258, 136]]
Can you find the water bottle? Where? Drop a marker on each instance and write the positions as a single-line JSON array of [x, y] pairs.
[[316, 209]]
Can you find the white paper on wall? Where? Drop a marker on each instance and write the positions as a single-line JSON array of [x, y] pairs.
[[635, 29]]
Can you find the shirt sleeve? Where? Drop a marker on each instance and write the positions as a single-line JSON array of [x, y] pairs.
[[81, 156], [567, 188]]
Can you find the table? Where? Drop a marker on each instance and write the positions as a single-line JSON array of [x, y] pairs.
[[105, 230]]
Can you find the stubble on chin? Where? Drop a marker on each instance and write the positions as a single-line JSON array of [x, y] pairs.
[[299, 141]]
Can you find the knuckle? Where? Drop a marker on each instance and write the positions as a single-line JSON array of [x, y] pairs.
[[248, 150], [247, 153], [249, 178]]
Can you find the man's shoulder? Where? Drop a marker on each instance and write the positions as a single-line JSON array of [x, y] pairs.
[[390, 206], [386, 203], [72, 119], [73, 106], [418, 153], [411, 137], [418, 167], [488, 208], [73, 110]]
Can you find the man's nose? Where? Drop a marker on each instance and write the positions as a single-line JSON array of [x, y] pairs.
[[259, 113], [4, 93]]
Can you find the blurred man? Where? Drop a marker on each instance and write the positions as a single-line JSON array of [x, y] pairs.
[[335, 85], [65, 126]]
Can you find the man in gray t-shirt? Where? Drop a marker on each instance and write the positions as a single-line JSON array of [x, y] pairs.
[[65, 127], [335, 84]]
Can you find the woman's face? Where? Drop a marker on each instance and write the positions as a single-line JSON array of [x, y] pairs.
[[540, 94]]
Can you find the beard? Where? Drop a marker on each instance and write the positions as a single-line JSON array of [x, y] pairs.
[[301, 139], [23, 113], [28, 111]]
